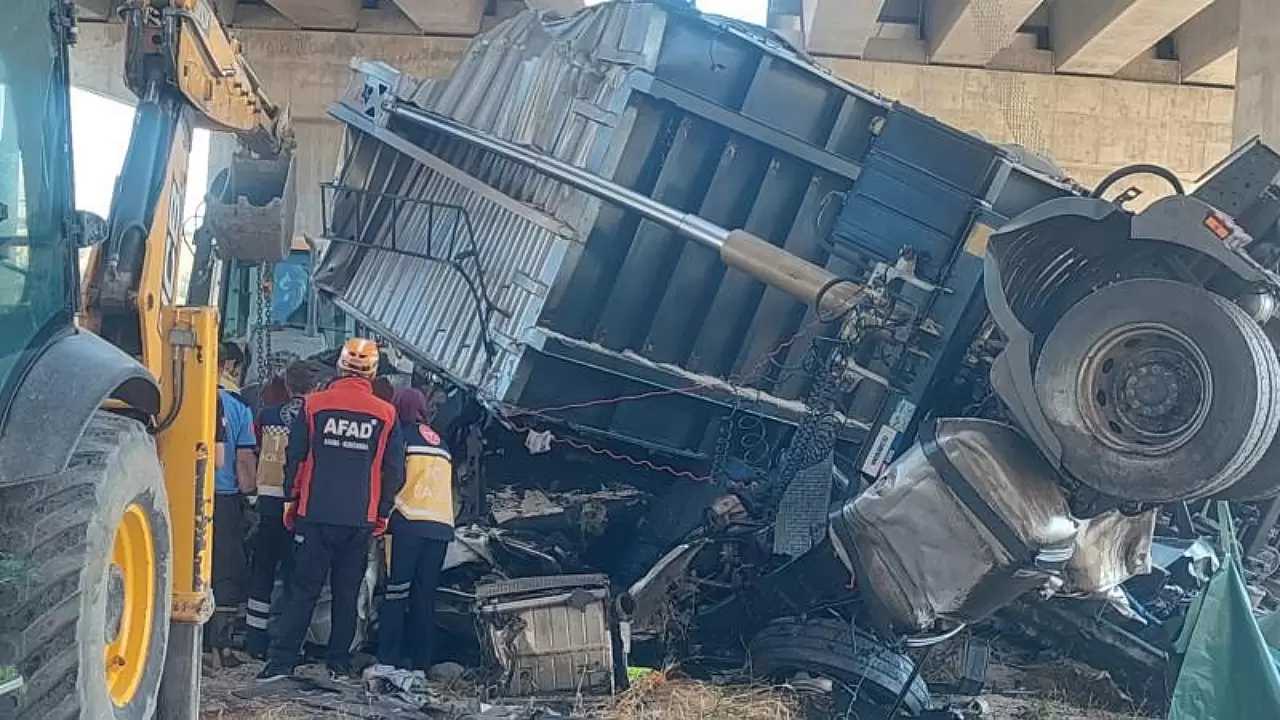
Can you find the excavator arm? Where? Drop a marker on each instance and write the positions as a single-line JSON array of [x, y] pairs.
[[187, 72], [199, 59], [107, 417]]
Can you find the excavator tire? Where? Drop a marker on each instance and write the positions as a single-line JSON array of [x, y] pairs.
[[833, 649], [86, 622]]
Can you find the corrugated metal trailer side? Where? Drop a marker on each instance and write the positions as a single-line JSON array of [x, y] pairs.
[[587, 303]]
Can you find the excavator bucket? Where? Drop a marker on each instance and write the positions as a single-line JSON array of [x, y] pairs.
[[252, 213]]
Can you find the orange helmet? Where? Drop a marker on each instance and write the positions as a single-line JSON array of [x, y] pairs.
[[359, 357]]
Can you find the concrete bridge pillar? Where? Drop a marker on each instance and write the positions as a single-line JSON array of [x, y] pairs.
[[1258, 74]]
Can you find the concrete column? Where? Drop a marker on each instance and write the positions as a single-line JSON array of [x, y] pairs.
[[1258, 75]]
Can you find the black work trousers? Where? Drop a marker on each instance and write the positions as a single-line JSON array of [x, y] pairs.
[[411, 593], [341, 553], [230, 564], [272, 559]]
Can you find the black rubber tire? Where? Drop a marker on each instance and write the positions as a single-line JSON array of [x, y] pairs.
[[1263, 481], [832, 648], [61, 529], [1241, 419]]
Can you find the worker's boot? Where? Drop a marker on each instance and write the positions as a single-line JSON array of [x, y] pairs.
[[222, 634]]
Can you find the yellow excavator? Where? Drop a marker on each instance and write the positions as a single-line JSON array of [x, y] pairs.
[[108, 384]]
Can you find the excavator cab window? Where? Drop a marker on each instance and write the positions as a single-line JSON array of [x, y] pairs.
[[290, 300], [37, 268]]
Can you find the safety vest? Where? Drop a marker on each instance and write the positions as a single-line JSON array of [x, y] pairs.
[[273, 445], [427, 495]]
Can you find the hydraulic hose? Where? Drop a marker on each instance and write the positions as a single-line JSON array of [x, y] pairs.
[[1139, 169]]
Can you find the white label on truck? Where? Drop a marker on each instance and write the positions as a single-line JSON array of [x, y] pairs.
[[901, 416], [879, 454]]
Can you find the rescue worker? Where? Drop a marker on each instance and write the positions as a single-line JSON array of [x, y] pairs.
[[219, 436], [273, 543], [344, 466], [234, 477], [383, 388], [421, 529]]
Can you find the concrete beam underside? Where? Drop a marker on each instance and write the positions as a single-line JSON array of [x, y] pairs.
[[95, 9], [1207, 44], [1101, 37], [306, 70], [432, 17], [840, 27], [319, 14], [1257, 100], [972, 32]]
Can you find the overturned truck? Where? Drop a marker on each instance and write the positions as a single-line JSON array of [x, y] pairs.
[[818, 368]]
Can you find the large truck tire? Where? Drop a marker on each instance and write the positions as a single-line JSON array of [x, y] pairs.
[[834, 649], [1263, 481], [1159, 391], [87, 621]]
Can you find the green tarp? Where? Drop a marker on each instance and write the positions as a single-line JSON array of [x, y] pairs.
[[1231, 659]]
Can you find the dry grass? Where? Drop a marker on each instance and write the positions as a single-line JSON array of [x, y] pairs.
[[219, 703], [659, 697], [1009, 708]]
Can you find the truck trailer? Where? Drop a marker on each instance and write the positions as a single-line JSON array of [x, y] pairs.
[[857, 359]]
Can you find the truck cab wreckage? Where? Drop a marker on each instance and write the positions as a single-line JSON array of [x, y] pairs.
[[742, 356]]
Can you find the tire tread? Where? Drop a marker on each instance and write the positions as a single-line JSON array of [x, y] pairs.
[[43, 530], [835, 647]]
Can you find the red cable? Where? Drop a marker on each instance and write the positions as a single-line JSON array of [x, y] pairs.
[[576, 444], [513, 411]]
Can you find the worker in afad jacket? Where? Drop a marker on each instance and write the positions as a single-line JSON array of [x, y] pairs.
[[421, 530], [273, 543], [344, 466]]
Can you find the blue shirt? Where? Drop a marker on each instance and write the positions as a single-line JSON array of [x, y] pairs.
[[239, 423]]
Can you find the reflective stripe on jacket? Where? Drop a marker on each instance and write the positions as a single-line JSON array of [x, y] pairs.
[[426, 500], [272, 428]]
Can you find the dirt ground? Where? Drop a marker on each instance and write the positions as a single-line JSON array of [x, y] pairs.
[[1028, 708], [659, 698]]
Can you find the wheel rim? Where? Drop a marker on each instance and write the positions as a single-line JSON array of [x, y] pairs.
[[131, 599], [1145, 389]]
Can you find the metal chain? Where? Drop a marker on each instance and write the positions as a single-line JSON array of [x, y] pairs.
[[262, 342]]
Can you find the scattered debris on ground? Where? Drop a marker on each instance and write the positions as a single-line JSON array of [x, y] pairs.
[[1003, 707], [1048, 690]]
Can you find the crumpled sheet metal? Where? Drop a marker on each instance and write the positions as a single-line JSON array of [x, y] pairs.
[[559, 85], [924, 557], [1110, 549]]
